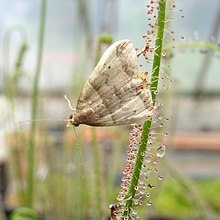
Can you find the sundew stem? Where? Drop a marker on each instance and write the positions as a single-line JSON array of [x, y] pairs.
[[147, 124], [35, 96]]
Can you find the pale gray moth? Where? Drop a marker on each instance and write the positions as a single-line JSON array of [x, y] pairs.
[[114, 94]]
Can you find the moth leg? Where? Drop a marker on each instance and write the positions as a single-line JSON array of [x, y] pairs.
[[140, 52], [144, 77], [145, 49]]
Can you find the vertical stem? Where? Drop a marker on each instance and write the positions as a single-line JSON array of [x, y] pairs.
[[97, 171], [158, 46], [147, 124], [103, 39], [35, 96]]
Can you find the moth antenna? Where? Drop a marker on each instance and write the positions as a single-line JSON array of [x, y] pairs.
[[41, 119], [68, 101]]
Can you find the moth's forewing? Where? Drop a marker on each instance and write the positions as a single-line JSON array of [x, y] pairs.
[[113, 95]]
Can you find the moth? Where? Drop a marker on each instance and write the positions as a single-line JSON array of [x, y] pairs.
[[114, 94]]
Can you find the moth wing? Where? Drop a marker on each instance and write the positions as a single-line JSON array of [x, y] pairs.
[[112, 95]]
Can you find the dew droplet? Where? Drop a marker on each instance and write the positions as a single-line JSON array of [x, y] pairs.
[[150, 142], [128, 197], [148, 159], [134, 213], [120, 197], [149, 149], [148, 203], [136, 203], [160, 177], [152, 133], [161, 151], [156, 92], [156, 170], [140, 203], [155, 162], [147, 195], [164, 54], [149, 170], [160, 118], [141, 183]]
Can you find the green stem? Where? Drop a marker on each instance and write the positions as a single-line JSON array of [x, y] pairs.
[[103, 39], [18, 65], [97, 171], [12, 79], [147, 124], [10, 76], [35, 96]]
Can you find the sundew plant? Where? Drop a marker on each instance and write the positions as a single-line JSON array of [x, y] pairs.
[[144, 148]]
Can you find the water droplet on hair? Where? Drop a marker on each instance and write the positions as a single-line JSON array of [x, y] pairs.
[[161, 151], [149, 170], [156, 92], [155, 162], [148, 203], [140, 203], [134, 214], [148, 159], [128, 197], [149, 149], [164, 54], [160, 177], [120, 197]]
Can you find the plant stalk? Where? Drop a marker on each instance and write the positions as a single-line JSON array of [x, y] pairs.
[[147, 124], [35, 97], [103, 39]]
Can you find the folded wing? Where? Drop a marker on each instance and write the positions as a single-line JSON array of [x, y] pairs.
[[113, 95]]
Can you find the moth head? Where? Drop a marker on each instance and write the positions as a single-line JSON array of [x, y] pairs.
[[71, 122]]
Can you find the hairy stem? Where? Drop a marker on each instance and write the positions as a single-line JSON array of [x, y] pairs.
[[147, 124]]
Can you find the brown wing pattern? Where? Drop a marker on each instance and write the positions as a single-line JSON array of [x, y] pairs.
[[113, 95]]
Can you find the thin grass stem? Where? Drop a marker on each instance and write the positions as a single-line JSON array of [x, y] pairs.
[[35, 97]]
